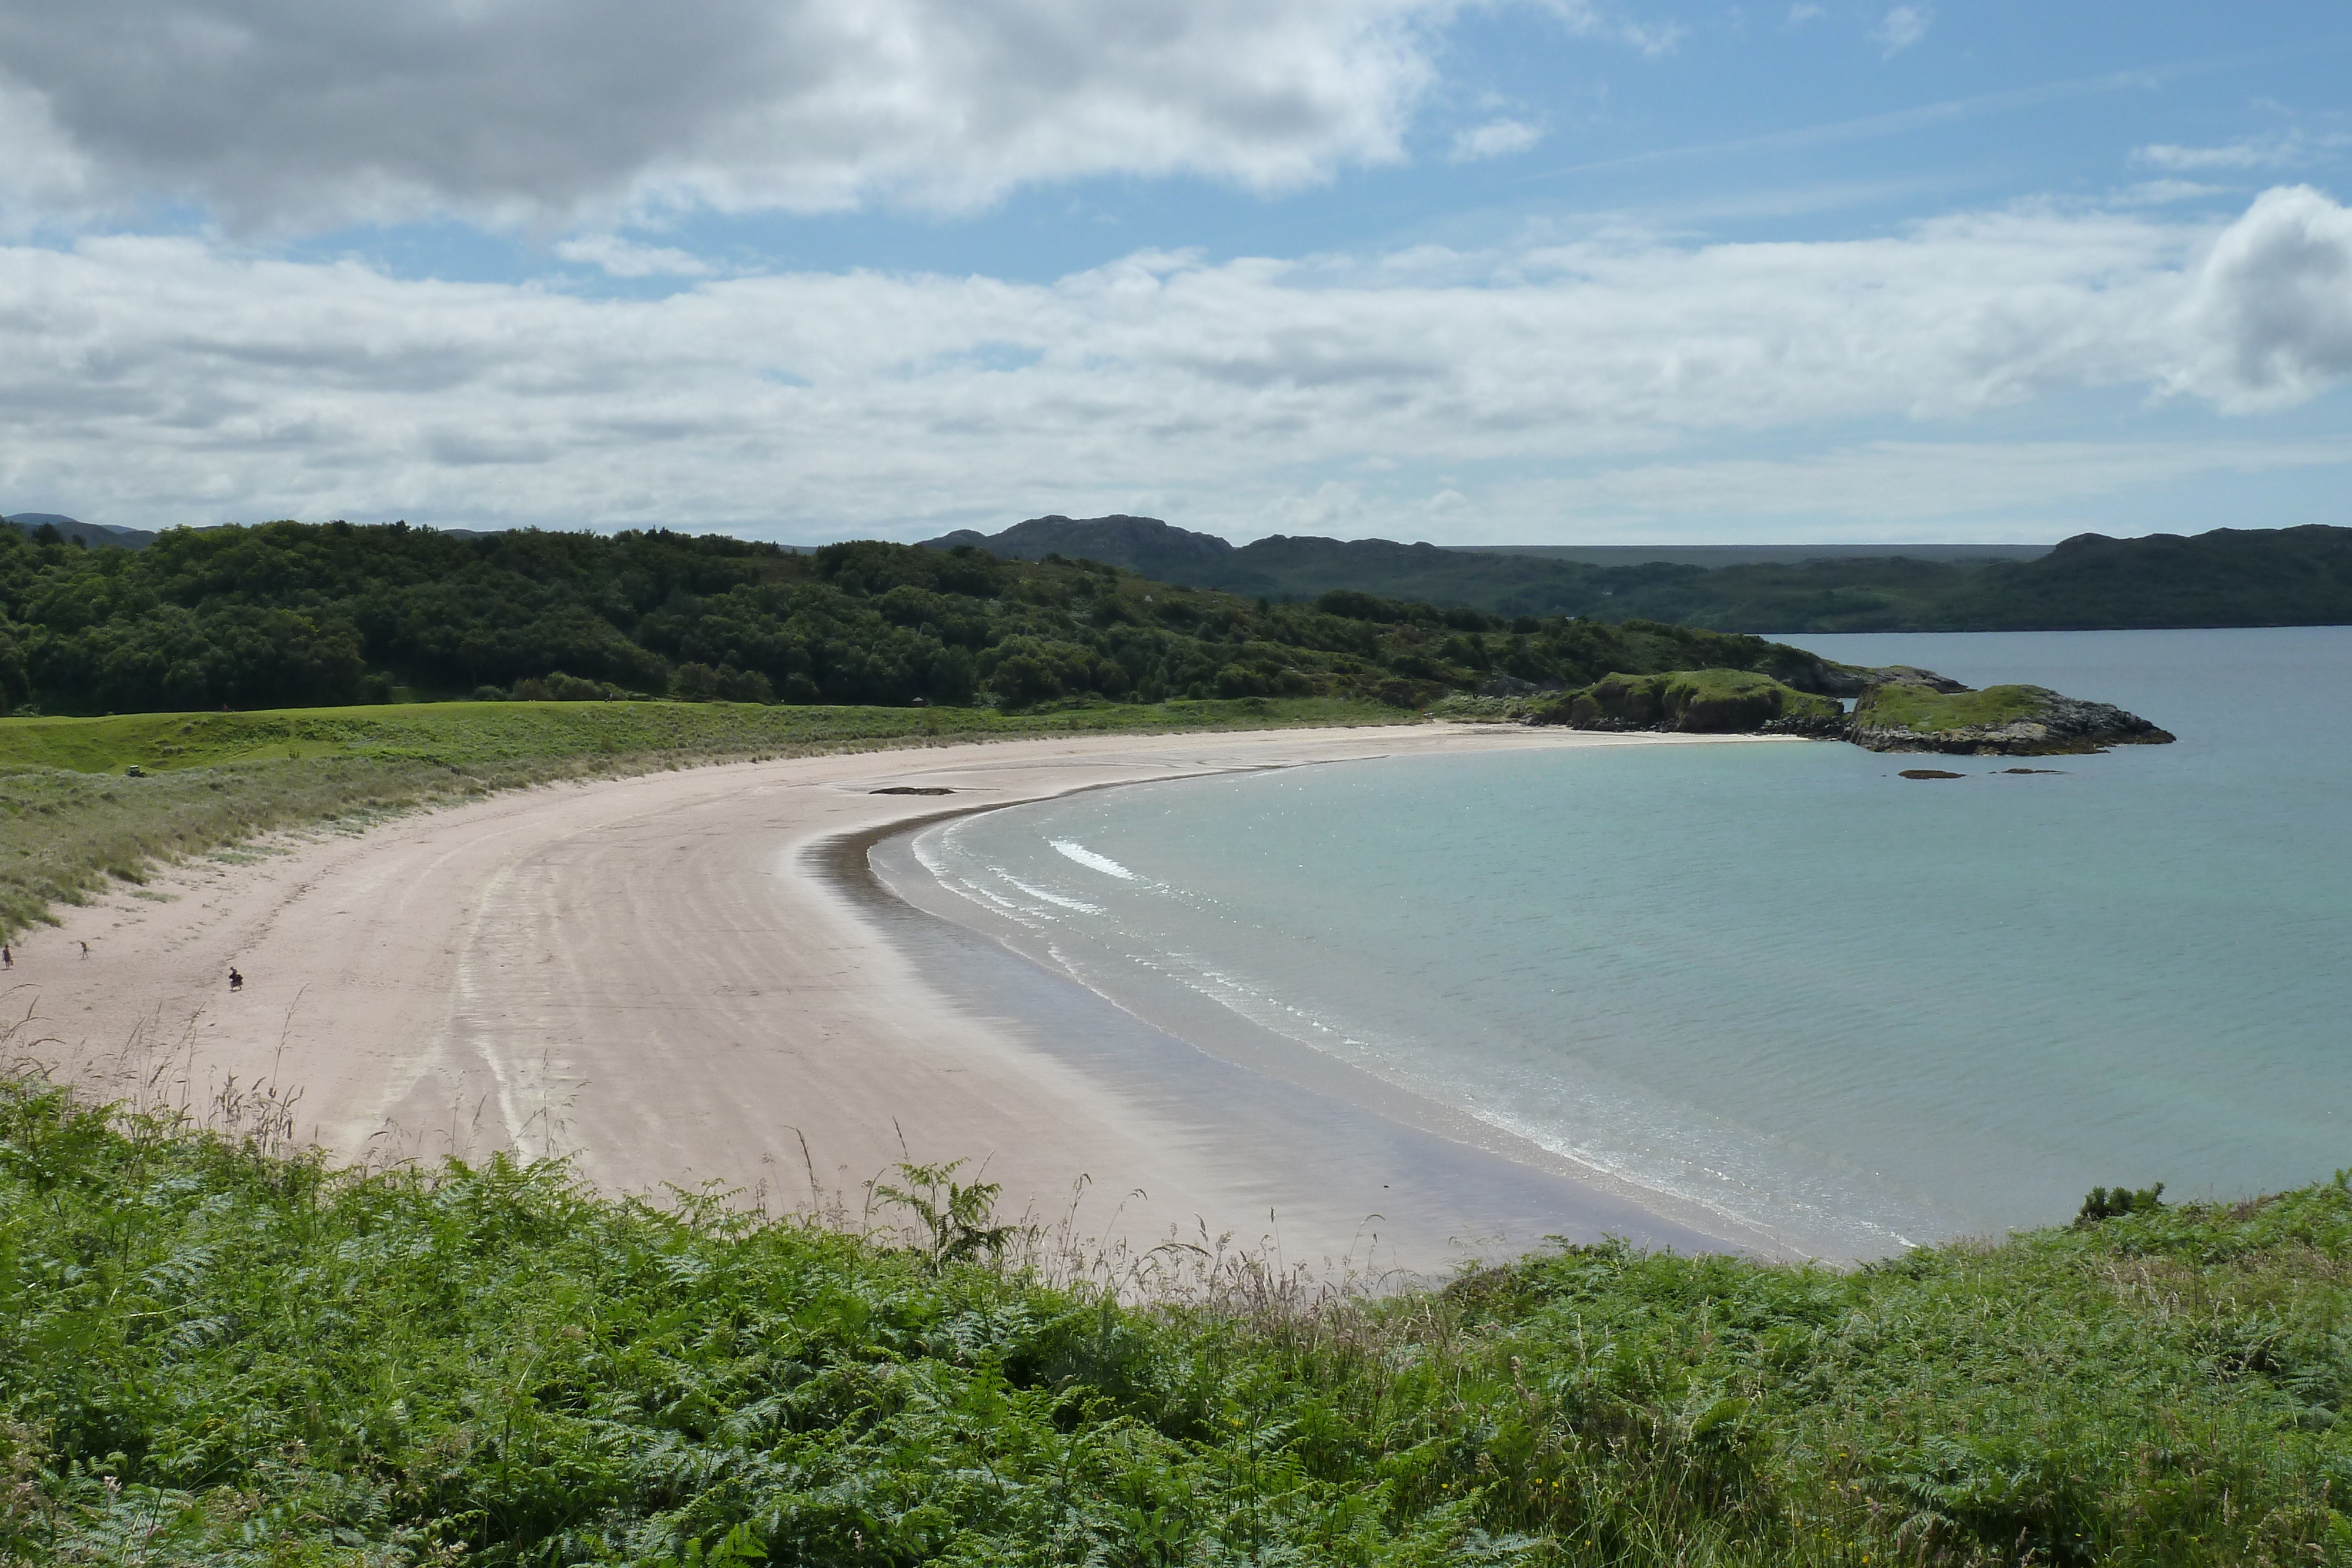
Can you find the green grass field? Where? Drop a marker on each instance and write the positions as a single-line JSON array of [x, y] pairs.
[[72, 819], [213, 1353], [1918, 709]]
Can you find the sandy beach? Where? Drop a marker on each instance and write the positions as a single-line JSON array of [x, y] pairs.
[[664, 978]]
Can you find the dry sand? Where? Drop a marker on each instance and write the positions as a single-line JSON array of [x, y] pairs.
[[657, 976]]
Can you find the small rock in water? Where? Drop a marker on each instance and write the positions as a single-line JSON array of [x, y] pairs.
[[1929, 773], [2034, 770]]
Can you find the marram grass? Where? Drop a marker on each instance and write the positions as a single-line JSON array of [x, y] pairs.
[[73, 820], [215, 1350]]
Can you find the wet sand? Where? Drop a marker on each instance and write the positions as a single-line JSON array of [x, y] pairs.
[[685, 979]]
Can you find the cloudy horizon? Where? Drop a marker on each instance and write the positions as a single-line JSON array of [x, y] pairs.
[[1541, 273]]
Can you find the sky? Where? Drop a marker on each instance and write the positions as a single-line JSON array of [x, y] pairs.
[[1558, 271]]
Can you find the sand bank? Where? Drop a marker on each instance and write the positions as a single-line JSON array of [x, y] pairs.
[[657, 976]]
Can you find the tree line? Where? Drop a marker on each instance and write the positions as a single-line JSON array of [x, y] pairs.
[[290, 614]]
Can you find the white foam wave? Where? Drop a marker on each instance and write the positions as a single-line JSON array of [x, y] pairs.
[[1093, 862], [1053, 898]]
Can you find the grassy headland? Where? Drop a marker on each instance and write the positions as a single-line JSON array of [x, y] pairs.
[[1925, 710], [71, 821], [213, 1352]]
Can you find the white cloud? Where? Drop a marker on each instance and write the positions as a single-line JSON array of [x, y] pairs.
[[621, 258], [1496, 138], [1902, 27], [2283, 150], [2270, 311], [290, 112], [150, 380], [1588, 19], [1801, 14], [1886, 485], [2164, 193]]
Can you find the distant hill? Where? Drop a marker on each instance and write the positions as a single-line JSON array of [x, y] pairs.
[[2230, 576], [91, 534], [1299, 567], [1754, 555], [2273, 577]]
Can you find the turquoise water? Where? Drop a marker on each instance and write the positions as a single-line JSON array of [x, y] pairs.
[[1774, 983]]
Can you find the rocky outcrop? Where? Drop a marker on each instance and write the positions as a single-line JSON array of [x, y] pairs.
[[1901, 709], [1833, 679], [1694, 702], [2000, 721]]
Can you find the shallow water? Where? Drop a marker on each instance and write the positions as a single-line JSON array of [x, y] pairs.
[[1775, 981]]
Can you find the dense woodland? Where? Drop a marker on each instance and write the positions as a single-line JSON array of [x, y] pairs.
[[292, 614]]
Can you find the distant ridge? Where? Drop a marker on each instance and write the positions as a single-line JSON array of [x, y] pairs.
[[2228, 577], [1713, 555], [1142, 545], [1155, 549], [1535, 580], [91, 534]]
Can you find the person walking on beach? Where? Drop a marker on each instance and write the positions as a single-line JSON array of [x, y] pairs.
[[7, 959], [85, 949], [236, 980]]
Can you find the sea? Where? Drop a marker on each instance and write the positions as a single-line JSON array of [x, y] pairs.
[[1775, 985]]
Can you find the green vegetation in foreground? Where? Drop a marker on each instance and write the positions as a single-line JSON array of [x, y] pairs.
[[1700, 701], [213, 1355], [1925, 711], [70, 821]]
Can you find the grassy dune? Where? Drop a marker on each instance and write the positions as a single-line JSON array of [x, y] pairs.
[[210, 1353], [72, 820]]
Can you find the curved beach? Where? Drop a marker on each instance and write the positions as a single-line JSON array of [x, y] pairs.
[[686, 978]]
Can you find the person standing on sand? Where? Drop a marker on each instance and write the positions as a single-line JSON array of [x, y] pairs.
[[85, 949], [236, 980], [7, 959]]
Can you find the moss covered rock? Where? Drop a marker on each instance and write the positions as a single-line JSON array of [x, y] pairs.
[[2013, 721]]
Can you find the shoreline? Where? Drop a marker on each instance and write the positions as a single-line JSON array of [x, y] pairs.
[[657, 976], [1555, 1194]]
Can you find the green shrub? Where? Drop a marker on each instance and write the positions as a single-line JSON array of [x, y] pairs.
[[213, 1352]]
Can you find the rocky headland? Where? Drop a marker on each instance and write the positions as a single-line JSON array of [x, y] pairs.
[[1897, 707], [2000, 721]]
